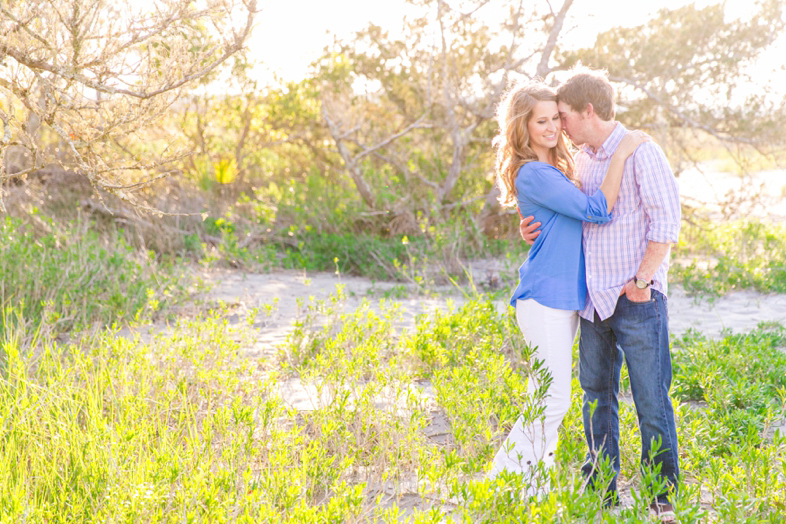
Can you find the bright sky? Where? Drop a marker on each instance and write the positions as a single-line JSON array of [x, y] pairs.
[[290, 34]]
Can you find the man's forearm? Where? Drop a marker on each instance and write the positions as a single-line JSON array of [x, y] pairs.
[[653, 258]]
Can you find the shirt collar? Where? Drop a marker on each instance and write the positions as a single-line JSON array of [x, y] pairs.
[[609, 146]]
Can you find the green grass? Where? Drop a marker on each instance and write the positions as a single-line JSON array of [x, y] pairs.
[[728, 447], [333, 239], [185, 427], [73, 278], [740, 379], [418, 260]]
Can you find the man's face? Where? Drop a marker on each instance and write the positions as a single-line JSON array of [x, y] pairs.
[[573, 123]]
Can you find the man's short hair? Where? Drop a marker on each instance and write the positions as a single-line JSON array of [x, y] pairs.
[[588, 86]]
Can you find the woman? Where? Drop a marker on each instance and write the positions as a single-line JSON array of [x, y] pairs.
[[535, 172]]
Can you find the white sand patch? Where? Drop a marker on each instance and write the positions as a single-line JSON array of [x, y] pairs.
[[737, 312], [706, 187]]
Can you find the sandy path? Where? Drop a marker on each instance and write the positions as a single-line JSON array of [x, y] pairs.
[[738, 312], [247, 291]]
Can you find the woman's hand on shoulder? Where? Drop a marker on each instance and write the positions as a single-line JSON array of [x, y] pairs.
[[630, 142]]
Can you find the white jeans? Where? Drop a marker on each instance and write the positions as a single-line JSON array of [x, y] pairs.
[[552, 331]]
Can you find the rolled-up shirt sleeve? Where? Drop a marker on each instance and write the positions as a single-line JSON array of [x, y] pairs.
[[659, 193], [546, 186]]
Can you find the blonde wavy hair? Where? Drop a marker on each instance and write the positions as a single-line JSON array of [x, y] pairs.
[[512, 142]]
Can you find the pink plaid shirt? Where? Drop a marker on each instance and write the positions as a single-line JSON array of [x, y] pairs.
[[647, 208]]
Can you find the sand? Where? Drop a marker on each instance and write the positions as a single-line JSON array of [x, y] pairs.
[[736, 312]]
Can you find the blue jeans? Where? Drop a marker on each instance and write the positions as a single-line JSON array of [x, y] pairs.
[[639, 331]]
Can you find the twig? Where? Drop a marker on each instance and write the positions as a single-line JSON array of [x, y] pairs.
[[123, 217], [414, 125]]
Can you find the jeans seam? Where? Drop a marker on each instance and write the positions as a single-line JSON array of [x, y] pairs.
[[667, 427], [610, 399]]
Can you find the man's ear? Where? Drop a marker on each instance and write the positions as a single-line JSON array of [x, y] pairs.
[[589, 110]]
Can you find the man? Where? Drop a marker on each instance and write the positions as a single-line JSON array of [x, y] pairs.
[[626, 270]]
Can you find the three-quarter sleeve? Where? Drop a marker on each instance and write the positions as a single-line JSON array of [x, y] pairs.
[[659, 192], [546, 186]]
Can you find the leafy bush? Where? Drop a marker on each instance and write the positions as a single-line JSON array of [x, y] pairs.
[[737, 255]]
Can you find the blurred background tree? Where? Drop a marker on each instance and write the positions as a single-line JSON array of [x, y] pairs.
[[389, 133], [81, 81], [679, 76], [685, 77]]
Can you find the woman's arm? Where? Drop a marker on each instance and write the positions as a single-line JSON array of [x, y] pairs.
[[546, 186], [611, 183]]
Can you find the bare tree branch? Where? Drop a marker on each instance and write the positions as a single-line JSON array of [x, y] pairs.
[[350, 132], [349, 161], [23, 25], [399, 165], [61, 71], [675, 111], [453, 127], [418, 124], [464, 16], [140, 67], [543, 67]]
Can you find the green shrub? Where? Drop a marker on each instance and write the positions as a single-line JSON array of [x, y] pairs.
[[729, 256]]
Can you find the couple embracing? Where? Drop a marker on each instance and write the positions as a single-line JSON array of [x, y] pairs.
[[599, 259]]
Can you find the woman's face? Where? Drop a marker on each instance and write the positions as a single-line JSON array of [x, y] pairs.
[[544, 128]]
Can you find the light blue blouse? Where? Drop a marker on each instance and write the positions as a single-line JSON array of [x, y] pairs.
[[553, 274]]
